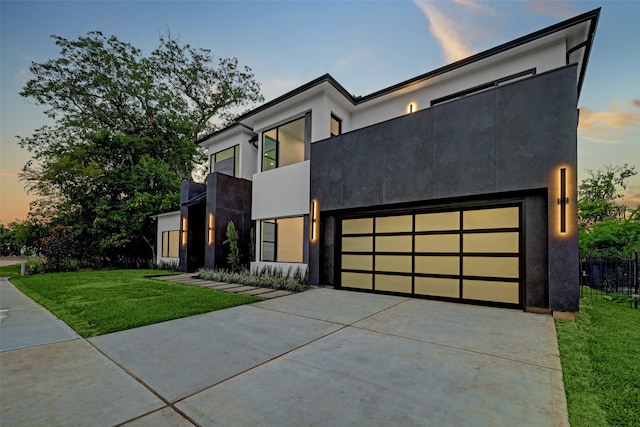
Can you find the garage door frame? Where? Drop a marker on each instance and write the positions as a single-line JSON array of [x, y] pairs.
[[461, 232]]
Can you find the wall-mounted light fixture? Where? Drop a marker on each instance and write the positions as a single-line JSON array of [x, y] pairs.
[[314, 219], [563, 200], [412, 107], [211, 229], [184, 231]]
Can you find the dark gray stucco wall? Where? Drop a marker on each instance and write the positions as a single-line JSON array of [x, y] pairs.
[[191, 254], [229, 199], [504, 141]]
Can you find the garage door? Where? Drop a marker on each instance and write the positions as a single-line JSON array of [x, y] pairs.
[[466, 254]]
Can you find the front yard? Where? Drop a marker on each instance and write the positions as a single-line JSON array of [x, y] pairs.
[[99, 302], [600, 355]]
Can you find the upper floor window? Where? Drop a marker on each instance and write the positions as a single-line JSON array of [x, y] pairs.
[[283, 145], [226, 161], [336, 126]]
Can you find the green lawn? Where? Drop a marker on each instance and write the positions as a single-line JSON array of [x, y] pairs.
[[10, 270], [98, 302], [600, 355]]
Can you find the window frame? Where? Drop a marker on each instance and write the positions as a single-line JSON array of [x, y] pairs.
[[275, 242], [165, 250], [236, 160], [339, 121], [277, 141]]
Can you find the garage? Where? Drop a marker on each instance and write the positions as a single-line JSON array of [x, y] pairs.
[[465, 255]]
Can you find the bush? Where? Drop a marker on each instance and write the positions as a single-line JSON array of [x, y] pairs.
[[57, 249], [169, 265], [292, 280]]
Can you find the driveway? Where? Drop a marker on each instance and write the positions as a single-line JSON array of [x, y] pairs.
[[319, 358]]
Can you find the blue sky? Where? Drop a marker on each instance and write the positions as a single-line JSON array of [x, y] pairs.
[[365, 45]]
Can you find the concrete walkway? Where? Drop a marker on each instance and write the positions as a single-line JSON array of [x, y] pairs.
[[190, 279], [323, 358]]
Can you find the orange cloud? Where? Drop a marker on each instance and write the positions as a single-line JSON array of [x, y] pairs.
[[631, 200], [446, 31], [608, 127]]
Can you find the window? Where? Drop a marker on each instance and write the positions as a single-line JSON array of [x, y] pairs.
[[170, 244], [282, 239], [283, 145], [336, 126], [226, 161]]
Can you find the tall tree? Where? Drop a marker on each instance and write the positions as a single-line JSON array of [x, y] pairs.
[[599, 193], [123, 134]]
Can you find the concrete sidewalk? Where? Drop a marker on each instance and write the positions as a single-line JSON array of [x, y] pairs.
[[323, 358]]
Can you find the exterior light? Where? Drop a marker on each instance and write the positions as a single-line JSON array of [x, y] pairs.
[[211, 229], [184, 231], [563, 200], [412, 107], [314, 219]]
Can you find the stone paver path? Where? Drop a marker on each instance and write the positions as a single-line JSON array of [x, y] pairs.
[[191, 279]]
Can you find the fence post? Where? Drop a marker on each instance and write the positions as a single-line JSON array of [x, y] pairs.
[[23, 268]]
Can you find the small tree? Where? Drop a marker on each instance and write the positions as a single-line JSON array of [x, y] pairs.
[[57, 249], [233, 240]]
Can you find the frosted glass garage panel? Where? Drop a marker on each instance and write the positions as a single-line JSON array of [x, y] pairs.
[[491, 267], [507, 292], [491, 218], [438, 287], [394, 243], [357, 280], [357, 226], [394, 224], [491, 242], [438, 265], [394, 263], [438, 221], [393, 283], [357, 262], [357, 244], [438, 243]]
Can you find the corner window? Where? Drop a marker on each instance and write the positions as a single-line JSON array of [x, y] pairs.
[[170, 248], [283, 145], [282, 239], [336, 126], [226, 161]]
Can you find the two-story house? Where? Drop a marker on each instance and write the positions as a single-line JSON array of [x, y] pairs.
[[458, 184]]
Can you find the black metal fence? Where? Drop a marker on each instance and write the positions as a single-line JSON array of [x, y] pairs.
[[612, 277]]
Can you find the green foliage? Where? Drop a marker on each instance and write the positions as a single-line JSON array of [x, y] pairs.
[[57, 249], [123, 136], [611, 238], [599, 354], [252, 244], [292, 280], [99, 302], [598, 193], [234, 258]]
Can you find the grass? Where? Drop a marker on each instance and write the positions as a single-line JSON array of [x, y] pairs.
[[600, 355], [99, 302]]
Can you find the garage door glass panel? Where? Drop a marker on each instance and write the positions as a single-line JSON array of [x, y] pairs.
[[438, 265], [438, 221], [491, 218], [507, 292], [438, 243], [394, 243], [491, 267], [437, 287], [357, 280], [394, 224], [399, 264], [357, 226], [357, 244], [357, 262], [491, 242], [391, 283]]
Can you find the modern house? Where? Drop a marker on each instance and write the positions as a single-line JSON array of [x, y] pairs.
[[458, 184]]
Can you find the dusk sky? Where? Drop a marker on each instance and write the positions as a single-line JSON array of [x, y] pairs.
[[365, 45]]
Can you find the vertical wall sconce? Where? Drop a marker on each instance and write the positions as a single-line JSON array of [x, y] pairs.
[[412, 107], [184, 231], [211, 229], [314, 219], [563, 201]]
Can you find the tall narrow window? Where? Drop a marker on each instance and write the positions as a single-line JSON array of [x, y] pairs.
[[283, 145], [226, 161], [170, 244], [336, 126]]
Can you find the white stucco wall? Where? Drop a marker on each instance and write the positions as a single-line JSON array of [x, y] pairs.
[[281, 192], [248, 152], [169, 221]]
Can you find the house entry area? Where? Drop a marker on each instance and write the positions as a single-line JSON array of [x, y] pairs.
[[465, 255]]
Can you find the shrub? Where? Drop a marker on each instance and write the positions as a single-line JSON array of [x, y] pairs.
[[57, 249], [292, 280], [233, 240]]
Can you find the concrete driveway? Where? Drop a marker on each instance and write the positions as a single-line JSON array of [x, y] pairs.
[[319, 358]]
